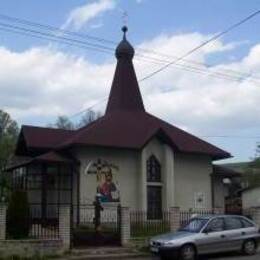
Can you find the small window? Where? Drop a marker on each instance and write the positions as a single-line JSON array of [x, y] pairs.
[[246, 223], [233, 223], [215, 225], [153, 170]]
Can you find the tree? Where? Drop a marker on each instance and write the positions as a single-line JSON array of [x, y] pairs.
[[252, 174], [63, 122], [88, 118], [8, 136]]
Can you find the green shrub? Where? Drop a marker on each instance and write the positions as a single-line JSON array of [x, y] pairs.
[[18, 216]]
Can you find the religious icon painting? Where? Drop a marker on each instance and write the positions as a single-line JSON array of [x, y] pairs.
[[107, 185]]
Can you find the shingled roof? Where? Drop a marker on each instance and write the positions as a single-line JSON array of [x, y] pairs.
[[125, 124]]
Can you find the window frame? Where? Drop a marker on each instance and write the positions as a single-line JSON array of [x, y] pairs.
[[205, 229], [153, 164], [233, 217]]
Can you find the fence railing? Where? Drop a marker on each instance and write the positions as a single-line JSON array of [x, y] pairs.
[[142, 224], [40, 223], [85, 233], [186, 215], [249, 213]]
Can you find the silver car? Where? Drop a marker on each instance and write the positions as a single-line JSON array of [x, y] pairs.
[[208, 234]]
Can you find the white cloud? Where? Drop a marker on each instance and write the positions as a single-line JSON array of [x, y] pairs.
[[43, 83], [83, 14]]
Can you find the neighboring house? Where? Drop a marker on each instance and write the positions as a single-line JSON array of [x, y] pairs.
[[225, 185], [128, 156], [251, 197]]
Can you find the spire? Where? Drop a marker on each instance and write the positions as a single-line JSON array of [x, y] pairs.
[[125, 93]]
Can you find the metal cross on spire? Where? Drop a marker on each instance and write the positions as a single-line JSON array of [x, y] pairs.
[[125, 18]]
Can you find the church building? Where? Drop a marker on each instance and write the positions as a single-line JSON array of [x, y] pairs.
[[127, 156]]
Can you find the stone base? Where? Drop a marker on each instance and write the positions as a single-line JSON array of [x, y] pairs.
[[31, 248]]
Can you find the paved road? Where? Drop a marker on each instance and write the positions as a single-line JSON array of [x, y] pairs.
[[215, 257]]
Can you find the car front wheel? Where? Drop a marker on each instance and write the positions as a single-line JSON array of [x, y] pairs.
[[249, 247], [188, 252]]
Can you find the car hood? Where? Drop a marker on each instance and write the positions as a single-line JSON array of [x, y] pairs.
[[171, 236]]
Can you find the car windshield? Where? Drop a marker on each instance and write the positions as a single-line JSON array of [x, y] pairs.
[[195, 225]]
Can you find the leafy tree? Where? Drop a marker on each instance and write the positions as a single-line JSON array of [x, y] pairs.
[[8, 136], [252, 173]]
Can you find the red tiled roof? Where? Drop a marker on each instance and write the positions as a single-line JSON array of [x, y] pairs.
[[53, 157], [128, 129], [125, 124], [42, 137]]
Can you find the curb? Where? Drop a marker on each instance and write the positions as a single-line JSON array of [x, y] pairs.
[[108, 256]]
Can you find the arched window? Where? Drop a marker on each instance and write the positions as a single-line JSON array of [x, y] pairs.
[[153, 170]]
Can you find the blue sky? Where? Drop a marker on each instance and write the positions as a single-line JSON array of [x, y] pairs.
[[60, 79]]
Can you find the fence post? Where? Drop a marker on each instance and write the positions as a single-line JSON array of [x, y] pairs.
[[65, 225], [218, 211], [3, 221], [256, 215], [125, 225], [174, 218]]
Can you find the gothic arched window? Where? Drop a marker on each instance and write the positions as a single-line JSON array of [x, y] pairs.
[[153, 170]]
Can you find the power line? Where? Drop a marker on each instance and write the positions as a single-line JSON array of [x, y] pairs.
[[231, 136], [51, 38], [56, 30], [56, 36], [214, 38], [102, 48], [98, 39], [94, 47]]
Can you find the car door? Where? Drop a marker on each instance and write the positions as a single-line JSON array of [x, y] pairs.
[[235, 232], [212, 239]]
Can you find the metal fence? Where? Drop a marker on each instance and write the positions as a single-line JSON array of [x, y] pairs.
[[249, 213], [40, 223], [186, 215], [142, 225], [108, 233]]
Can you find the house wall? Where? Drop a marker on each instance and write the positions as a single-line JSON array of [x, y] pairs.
[[192, 178], [126, 177], [251, 198], [165, 156], [184, 176], [220, 192]]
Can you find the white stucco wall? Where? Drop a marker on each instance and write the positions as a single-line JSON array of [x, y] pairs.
[[165, 156], [128, 174], [192, 176], [251, 198], [183, 175]]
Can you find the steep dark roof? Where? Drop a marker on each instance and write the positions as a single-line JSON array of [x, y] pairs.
[[43, 137], [125, 93], [125, 124], [52, 157], [129, 129]]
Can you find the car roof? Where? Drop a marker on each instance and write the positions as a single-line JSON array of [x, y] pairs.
[[218, 215]]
